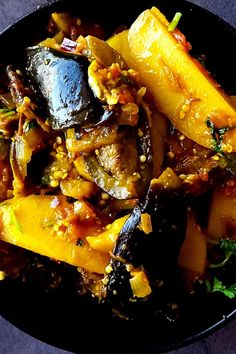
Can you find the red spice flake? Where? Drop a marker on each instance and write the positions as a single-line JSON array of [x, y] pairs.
[[229, 187], [180, 37], [115, 71], [74, 33], [203, 174], [125, 96]]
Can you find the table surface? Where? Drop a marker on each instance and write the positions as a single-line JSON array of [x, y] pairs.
[[14, 341]]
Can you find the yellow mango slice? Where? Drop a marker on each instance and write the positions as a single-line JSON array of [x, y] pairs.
[[27, 222], [181, 88]]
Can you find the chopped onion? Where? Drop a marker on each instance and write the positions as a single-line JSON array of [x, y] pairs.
[[68, 45]]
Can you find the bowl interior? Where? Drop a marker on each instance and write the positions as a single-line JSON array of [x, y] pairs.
[[81, 325]]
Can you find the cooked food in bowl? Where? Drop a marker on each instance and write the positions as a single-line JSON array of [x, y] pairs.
[[118, 164]]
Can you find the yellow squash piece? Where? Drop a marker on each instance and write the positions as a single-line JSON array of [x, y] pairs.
[[105, 241], [193, 253], [181, 88], [27, 222], [139, 284], [168, 180], [222, 217]]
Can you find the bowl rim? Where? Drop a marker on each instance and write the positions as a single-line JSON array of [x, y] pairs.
[[49, 6]]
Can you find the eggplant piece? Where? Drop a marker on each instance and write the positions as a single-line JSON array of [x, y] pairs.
[[156, 252], [18, 88], [119, 189], [124, 169], [103, 53], [62, 81]]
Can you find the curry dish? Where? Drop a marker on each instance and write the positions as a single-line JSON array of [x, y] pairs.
[[118, 162]]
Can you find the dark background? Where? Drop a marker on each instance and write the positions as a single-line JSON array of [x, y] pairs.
[[12, 340]]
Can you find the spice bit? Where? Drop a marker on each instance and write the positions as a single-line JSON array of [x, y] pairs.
[[105, 196], [182, 176], [105, 280], [170, 154], [108, 269], [140, 133], [54, 183], [58, 140], [142, 158], [181, 114], [215, 158], [2, 275], [186, 108]]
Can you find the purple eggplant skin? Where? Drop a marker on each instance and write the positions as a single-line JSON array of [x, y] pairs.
[[156, 252], [62, 82]]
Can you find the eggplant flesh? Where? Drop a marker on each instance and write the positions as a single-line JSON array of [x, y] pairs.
[[62, 82], [156, 252], [18, 88]]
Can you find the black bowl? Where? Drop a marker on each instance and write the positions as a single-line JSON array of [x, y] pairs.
[[80, 325]]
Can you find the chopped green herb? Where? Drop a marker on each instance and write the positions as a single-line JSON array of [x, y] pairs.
[[228, 162], [13, 219], [70, 200], [32, 124], [6, 112], [217, 135], [80, 242], [10, 113], [127, 80], [201, 59], [218, 286], [229, 247], [45, 180], [174, 23], [48, 223]]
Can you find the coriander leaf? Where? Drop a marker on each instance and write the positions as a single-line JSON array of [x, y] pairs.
[[230, 291], [218, 286], [32, 124], [228, 245], [217, 135], [127, 80]]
